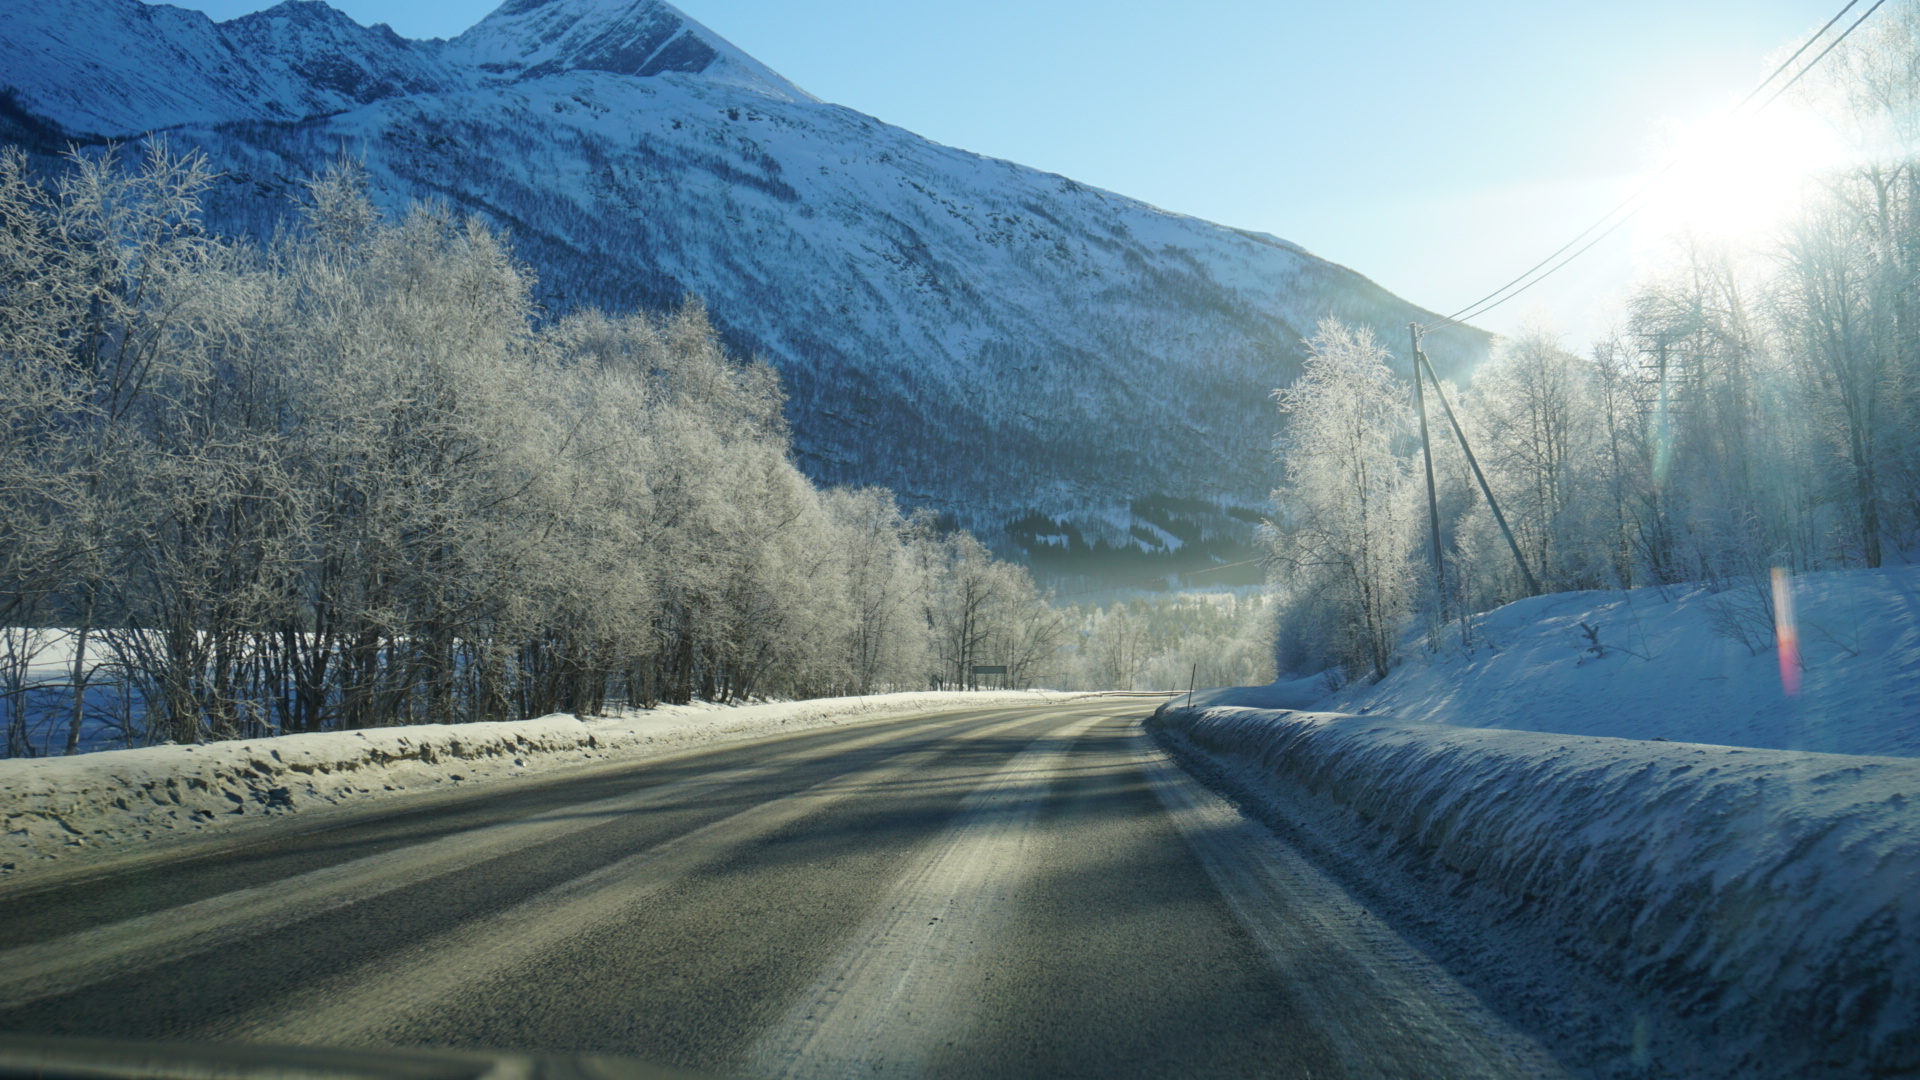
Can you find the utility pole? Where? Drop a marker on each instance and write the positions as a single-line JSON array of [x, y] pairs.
[[1533, 586], [1426, 451], [1663, 438]]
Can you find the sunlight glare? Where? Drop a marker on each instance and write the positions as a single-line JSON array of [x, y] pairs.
[[1739, 177]]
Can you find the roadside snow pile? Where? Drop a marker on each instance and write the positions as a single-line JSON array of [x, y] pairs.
[[1772, 896], [52, 808], [1686, 665]]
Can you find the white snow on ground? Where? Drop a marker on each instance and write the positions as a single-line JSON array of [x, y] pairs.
[[1762, 896], [55, 808], [1664, 671]]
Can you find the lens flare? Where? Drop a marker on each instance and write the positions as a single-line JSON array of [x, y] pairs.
[[1786, 632]]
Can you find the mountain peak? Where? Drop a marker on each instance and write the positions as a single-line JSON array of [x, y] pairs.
[[526, 39], [305, 10]]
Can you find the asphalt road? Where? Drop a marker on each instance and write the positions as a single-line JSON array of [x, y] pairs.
[[1029, 892]]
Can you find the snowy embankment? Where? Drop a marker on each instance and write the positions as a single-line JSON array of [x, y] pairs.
[[56, 808], [1771, 896]]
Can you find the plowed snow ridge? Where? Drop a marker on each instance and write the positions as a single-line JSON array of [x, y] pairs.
[[1768, 898]]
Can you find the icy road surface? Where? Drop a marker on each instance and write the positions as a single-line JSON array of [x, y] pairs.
[[1014, 891]]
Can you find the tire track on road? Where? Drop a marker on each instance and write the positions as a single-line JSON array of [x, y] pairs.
[[356, 1006], [898, 992], [1388, 1010], [73, 961]]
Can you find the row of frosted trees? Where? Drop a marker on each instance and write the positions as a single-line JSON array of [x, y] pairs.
[[1758, 407], [349, 479], [1169, 642]]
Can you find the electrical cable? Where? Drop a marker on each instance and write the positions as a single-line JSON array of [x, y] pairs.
[[1655, 178], [1482, 306], [1823, 52]]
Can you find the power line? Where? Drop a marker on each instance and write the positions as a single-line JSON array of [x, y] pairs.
[[1823, 52], [1489, 302], [1482, 306], [1643, 188]]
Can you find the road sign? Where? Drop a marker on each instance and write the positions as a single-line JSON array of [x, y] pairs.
[[989, 669]]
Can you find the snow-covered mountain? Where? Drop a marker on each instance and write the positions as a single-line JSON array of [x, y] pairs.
[[1055, 366], [123, 68], [528, 39]]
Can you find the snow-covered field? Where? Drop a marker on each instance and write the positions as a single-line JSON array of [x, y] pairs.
[[54, 809], [1653, 815], [1664, 670]]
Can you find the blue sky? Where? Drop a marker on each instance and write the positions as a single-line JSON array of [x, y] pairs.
[[1438, 148]]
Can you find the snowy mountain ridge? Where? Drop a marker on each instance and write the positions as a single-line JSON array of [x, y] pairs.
[[82, 64], [1031, 356], [126, 68]]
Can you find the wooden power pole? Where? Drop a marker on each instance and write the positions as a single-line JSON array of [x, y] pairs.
[[1420, 361], [1426, 451]]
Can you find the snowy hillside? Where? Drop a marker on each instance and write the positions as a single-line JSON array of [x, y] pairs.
[[992, 341], [1685, 665]]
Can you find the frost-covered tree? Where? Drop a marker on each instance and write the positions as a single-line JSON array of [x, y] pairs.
[[1848, 292], [353, 479], [1849, 363], [1169, 642], [1343, 524], [887, 640], [1532, 413], [1758, 406], [1116, 649], [43, 309]]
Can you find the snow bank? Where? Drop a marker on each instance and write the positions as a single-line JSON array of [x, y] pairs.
[[1772, 896], [52, 808], [1670, 665]]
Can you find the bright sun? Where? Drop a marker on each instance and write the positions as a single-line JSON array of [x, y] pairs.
[[1738, 178]]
